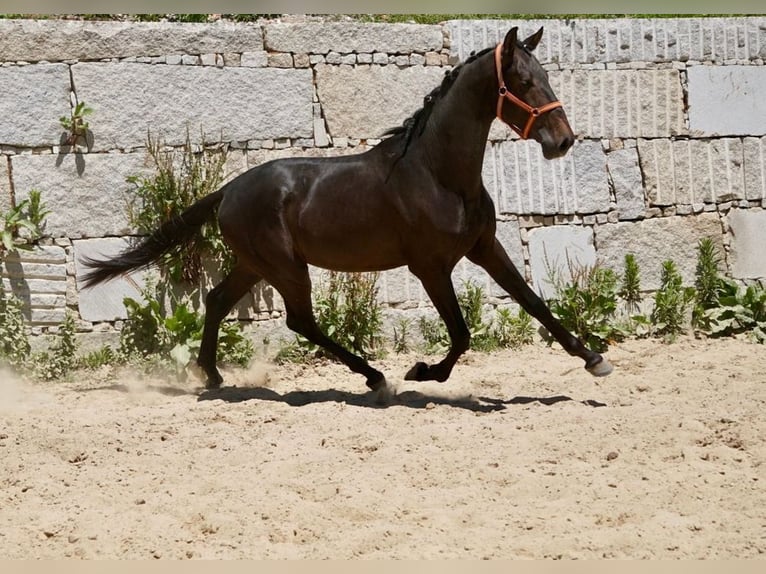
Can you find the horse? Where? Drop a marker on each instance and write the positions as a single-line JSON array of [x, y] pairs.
[[416, 199]]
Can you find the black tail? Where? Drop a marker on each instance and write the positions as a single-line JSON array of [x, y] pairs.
[[172, 234]]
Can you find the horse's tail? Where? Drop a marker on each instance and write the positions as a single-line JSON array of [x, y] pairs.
[[171, 235]]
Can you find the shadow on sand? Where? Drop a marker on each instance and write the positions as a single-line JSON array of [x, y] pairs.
[[411, 399]]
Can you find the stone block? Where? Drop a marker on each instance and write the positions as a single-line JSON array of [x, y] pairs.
[[558, 250], [748, 237], [87, 194], [35, 40], [573, 42], [754, 150], [692, 171], [522, 181], [104, 302], [727, 100], [625, 175], [5, 185], [653, 241], [622, 103], [365, 102], [32, 100], [226, 104], [349, 37]]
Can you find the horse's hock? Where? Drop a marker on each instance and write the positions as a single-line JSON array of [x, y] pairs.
[[669, 115]]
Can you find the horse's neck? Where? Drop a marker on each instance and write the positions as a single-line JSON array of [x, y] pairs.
[[456, 137]]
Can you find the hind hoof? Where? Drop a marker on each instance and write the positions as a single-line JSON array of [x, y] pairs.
[[384, 394], [418, 372], [600, 369]]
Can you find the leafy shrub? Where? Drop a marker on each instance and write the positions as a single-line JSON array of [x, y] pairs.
[[671, 302], [586, 304], [737, 310], [708, 283], [61, 357], [173, 187], [28, 216], [14, 341], [504, 330], [401, 335], [347, 310], [175, 336]]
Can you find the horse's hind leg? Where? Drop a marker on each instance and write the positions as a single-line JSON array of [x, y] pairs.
[[218, 303], [491, 255], [294, 285], [439, 287]]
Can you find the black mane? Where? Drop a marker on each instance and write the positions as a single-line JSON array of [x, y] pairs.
[[420, 117]]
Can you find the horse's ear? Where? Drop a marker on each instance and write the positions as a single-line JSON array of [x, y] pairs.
[[509, 44], [531, 42]]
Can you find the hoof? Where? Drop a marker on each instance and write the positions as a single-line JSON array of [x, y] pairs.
[[417, 373], [600, 369]]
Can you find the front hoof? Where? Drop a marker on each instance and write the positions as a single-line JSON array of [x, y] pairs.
[[418, 372], [600, 369]]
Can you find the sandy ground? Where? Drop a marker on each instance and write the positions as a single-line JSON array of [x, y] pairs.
[[519, 455]]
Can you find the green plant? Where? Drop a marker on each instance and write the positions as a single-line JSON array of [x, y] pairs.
[[671, 302], [100, 357], [14, 340], [28, 215], [630, 288], [511, 331], [501, 331], [173, 187], [401, 335], [347, 310], [737, 310], [75, 123], [175, 335], [708, 282], [61, 357], [586, 303]]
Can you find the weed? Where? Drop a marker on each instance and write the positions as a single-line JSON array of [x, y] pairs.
[[61, 357], [75, 123], [671, 302], [586, 304], [630, 289], [737, 310], [401, 335], [511, 331], [707, 282], [14, 340], [102, 356], [172, 188], [346, 310], [501, 331], [175, 336], [28, 216]]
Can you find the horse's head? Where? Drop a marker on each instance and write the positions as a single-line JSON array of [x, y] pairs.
[[526, 101]]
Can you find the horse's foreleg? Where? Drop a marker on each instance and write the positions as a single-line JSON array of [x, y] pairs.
[[218, 303], [493, 258], [442, 294]]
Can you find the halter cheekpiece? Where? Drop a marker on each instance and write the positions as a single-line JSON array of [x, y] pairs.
[[504, 94]]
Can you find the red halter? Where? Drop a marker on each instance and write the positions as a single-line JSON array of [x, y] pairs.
[[504, 93]]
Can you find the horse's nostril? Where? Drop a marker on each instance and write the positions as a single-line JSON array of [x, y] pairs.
[[565, 144]]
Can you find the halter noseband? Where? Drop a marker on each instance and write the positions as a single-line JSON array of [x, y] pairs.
[[504, 94]]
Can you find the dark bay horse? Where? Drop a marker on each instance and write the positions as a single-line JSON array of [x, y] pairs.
[[415, 199]]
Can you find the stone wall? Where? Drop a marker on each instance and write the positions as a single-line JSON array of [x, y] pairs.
[[669, 113]]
